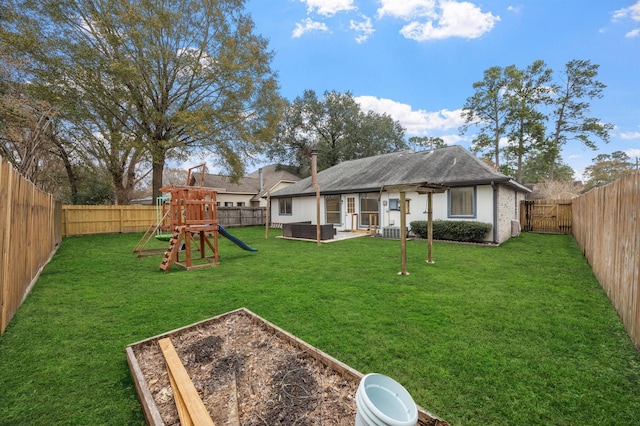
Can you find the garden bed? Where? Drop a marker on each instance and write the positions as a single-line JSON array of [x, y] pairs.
[[246, 368]]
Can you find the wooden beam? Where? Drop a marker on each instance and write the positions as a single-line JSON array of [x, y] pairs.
[[183, 413], [184, 386], [429, 227], [403, 235]]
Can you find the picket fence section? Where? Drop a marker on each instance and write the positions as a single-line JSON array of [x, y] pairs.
[[29, 235], [606, 226], [87, 220]]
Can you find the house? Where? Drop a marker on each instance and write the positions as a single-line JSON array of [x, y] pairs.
[[249, 191], [364, 193]]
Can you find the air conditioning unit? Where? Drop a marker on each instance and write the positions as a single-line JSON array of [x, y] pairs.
[[392, 232]]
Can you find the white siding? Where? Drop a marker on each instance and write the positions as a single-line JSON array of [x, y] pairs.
[[222, 197], [508, 202], [418, 208], [303, 209], [278, 186]]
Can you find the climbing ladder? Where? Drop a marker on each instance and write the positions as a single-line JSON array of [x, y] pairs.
[[184, 237], [171, 254]]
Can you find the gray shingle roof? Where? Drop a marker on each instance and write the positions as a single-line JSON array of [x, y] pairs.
[[450, 166], [271, 175]]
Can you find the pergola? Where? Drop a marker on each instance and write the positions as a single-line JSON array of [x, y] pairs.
[[420, 188]]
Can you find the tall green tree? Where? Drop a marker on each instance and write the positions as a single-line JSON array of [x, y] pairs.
[[167, 76], [536, 168], [430, 142], [607, 168], [534, 113], [336, 126], [527, 92], [486, 109], [571, 100]]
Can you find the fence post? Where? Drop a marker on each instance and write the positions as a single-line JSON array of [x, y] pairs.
[[4, 267]]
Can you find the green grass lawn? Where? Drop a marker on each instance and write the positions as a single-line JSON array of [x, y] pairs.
[[521, 334]]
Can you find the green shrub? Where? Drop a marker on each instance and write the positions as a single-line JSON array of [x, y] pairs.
[[452, 230]]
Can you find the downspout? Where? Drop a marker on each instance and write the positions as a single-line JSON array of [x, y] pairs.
[[495, 212]]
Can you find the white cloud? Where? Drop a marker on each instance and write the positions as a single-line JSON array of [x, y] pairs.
[[328, 7], [633, 33], [515, 9], [633, 152], [632, 12], [364, 29], [308, 25], [407, 9], [630, 135], [456, 19], [416, 123]]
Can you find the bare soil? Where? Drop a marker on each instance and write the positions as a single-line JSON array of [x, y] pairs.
[[238, 366]]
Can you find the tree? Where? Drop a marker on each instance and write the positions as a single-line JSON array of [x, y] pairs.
[[164, 76], [534, 113], [25, 122], [536, 168], [427, 141], [524, 123], [335, 126], [571, 102], [487, 109], [607, 168], [558, 190]]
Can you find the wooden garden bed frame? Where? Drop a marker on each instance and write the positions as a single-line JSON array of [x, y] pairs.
[[151, 411]]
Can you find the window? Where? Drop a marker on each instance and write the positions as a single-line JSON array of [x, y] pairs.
[[351, 205], [240, 203], [228, 203], [332, 208], [284, 206], [369, 210], [462, 202], [394, 205]]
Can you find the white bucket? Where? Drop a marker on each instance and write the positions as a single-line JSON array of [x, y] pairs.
[[381, 401]]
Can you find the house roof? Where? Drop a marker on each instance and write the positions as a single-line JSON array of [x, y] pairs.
[[271, 176], [449, 166]]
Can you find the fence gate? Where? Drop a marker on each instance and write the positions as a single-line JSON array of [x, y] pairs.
[[546, 216]]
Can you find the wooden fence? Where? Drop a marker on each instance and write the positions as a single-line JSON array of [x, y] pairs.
[[30, 232], [86, 220], [546, 216], [607, 229]]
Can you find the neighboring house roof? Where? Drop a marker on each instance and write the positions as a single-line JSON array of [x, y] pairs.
[[449, 166], [272, 175]]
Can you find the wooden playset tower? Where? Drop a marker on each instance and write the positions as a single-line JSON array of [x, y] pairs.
[[190, 219]]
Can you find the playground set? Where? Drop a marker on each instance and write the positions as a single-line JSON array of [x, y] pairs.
[[188, 219]]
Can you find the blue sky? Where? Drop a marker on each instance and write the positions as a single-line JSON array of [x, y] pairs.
[[417, 60]]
